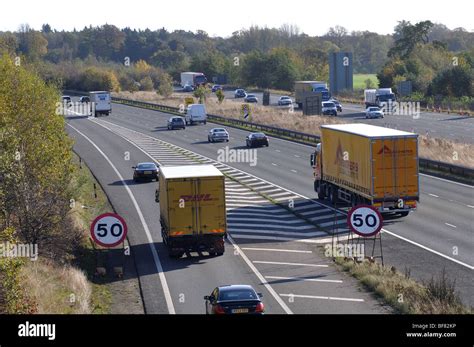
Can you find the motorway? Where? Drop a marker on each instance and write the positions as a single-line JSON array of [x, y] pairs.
[[439, 235], [441, 125]]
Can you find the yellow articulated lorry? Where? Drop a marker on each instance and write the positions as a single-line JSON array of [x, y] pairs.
[[366, 164], [192, 209]]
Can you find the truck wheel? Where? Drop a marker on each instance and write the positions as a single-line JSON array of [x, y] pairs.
[[353, 200], [404, 214], [333, 195]]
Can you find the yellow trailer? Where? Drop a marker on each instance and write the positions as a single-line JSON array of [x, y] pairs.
[[192, 209], [366, 164]]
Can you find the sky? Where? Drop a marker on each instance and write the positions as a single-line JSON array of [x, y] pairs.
[[223, 17]]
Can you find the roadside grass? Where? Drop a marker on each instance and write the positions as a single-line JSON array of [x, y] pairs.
[[68, 288], [405, 295], [439, 149], [359, 81]]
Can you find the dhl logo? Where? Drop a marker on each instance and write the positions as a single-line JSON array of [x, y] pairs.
[[197, 197]]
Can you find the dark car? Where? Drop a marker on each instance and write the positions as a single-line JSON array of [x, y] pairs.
[[176, 123], [66, 99], [216, 87], [240, 93], [84, 99], [188, 88], [234, 299], [145, 171], [256, 140], [251, 98]]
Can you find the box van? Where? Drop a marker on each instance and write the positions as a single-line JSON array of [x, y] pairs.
[[196, 113], [101, 103]]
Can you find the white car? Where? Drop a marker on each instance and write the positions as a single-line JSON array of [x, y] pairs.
[[373, 112], [218, 134], [329, 108], [284, 101]]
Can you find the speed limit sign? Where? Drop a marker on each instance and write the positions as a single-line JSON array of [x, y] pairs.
[[365, 220], [109, 230]]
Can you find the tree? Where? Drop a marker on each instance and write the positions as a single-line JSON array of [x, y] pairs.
[[35, 158], [337, 35], [202, 93], [32, 43], [457, 82], [409, 36], [220, 96], [165, 87]]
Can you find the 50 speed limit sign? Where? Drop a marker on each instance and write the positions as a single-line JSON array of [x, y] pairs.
[[109, 230], [365, 220]]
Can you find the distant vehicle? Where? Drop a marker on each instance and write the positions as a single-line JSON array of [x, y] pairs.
[[338, 104], [218, 134], [145, 171], [234, 299], [194, 79], [216, 87], [176, 123], [240, 93], [357, 179], [302, 88], [373, 112], [329, 108], [66, 99], [188, 88], [200, 224], [285, 101], [251, 98], [100, 103], [256, 140], [84, 99], [378, 97], [196, 113]]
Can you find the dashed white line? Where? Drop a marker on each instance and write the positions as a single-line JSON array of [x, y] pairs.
[[274, 164], [275, 250], [302, 279], [321, 297], [434, 195], [289, 264], [294, 171], [451, 225]]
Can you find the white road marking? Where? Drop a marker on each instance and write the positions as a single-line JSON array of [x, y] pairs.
[[302, 279], [294, 171], [321, 297], [277, 150], [275, 250], [274, 164], [297, 156], [450, 225], [156, 258], [260, 277], [434, 195], [470, 206], [448, 181], [289, 264]]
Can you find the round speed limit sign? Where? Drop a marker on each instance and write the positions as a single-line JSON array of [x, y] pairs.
[[109, 230], [365, 220]]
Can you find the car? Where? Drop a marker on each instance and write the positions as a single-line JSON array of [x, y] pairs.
[[329, 108], [338, 104], [84, 99], [218, 134], [285, 101], [373, 112], [176, 123], [234, 299], [240, 93], [251, 98], [145, 171], [66, 99], [196, 113], [257, 139], [216, 87], [188, 88]]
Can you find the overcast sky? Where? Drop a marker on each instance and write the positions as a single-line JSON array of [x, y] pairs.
[[222, 17]]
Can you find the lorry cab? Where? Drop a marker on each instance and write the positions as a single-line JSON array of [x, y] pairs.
[[196, 113]]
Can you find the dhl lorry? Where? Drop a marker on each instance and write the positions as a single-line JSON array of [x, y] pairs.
[[366, 164], [192, 209]]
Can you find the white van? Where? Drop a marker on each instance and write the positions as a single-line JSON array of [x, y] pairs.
[[196, 113], [101, 103]]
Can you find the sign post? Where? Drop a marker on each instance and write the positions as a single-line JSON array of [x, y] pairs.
[[108, 231], [367, 222]]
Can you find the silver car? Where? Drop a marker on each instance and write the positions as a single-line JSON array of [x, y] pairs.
[[373, 112], [218, 134]]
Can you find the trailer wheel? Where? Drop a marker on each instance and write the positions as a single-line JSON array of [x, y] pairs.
[[404, 214], [333, 195], [321, 191], [354, 200]]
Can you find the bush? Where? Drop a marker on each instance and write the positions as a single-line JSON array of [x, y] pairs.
[[146, 84]]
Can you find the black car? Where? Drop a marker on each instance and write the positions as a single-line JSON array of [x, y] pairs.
[[66, 99], [176, 123], [338, 105], [84, 99], [234, 299], [257, 139], [145, 171], [216, 87]]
